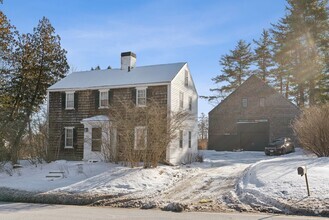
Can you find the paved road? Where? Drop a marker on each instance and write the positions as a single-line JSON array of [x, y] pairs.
[[25, 211]]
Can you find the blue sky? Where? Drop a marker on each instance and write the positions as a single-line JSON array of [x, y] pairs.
[[158, 31]]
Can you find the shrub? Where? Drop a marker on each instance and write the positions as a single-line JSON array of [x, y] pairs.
[[312, 130]]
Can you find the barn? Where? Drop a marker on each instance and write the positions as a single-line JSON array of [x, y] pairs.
[[250, 117]]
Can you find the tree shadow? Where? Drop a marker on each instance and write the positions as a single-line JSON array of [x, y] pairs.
[[17, 207]]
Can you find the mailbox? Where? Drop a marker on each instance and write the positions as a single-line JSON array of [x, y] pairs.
[[301, 171]]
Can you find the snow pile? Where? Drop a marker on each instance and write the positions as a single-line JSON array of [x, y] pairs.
[[124, 180], [93, 178], [274, 182]]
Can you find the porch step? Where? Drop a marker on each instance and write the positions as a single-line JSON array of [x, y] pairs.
[[54, 176], [60, 172]]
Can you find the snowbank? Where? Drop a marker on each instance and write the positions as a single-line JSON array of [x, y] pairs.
[[274, 182]]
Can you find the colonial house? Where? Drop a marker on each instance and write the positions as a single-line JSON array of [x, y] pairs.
[[79, 104], [250, 117]]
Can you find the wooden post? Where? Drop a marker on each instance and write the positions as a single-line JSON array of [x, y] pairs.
[[308, 189]]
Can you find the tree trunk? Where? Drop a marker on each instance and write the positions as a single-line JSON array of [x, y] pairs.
[[287, 90], [301, 91], [312, 92]]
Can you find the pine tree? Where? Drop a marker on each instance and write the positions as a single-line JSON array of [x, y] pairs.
[[8, 35], [263, 55], [235, 69], [281, 72], [39, 62], [303, 36]]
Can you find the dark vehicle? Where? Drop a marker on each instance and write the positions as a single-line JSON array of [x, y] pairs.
[[280, 146]]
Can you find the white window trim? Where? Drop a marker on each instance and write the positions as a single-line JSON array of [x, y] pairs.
[[139, 89], [135, 137], [66, 146], [100, 98], [67, 93]]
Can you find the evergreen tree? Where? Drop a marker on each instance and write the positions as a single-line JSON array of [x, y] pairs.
[[39, 62], [235, 69], [7, 42], [303, 36], [263, 56], [281, 72]]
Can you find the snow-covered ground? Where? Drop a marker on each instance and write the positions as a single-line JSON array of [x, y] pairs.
[[224, 181], [274, 182]]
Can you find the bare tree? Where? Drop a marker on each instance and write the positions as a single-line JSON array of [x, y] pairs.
[[203, 126], [144, 133], [312, 130], [34, 143]]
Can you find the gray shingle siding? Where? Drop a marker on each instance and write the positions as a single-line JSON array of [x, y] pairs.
[[279, 112]]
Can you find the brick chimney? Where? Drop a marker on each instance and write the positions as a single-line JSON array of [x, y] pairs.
[[128, 61]]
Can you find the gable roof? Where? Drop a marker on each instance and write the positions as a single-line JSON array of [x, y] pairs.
[[253, 79], [162, 73]]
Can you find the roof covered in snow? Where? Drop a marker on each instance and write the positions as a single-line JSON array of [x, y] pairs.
[[163, 73]]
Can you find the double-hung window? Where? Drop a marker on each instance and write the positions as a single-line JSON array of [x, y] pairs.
[[140, 138], [69, 137], [186, 78], [190, 103], [262, 102], [69, 104], [103, 98], [244, 102], [141, 97]]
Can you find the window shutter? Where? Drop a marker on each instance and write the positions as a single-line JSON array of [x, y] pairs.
[[148, 95], [62, 144], [76, 101], [63, 100], [96, 92], [110, 97], [75, 137], [133, 96]]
